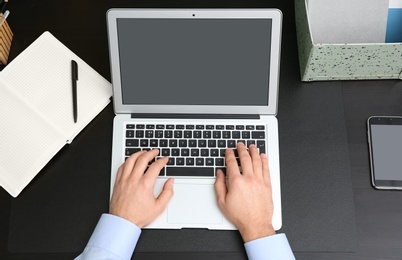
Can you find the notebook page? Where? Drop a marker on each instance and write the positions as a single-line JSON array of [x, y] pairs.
[[42, 74], [27, 142]]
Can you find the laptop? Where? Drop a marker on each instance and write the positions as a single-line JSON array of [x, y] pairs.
[[192, 83]]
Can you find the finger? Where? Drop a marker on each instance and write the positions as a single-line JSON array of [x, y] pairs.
[[265, 168], [245, 159], [155, 168], [165, 195], [256, 160], [141, 163], [220, 188], [232, 169], [128, 165]]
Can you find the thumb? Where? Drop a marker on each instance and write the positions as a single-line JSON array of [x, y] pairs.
[[220, 187], [166, 194]]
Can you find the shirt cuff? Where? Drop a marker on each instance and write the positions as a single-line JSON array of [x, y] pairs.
[[270, 247], [115, 235]]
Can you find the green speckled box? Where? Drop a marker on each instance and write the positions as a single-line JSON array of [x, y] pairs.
[[344, 61]]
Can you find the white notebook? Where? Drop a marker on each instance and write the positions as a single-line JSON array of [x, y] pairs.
[[36, 115]]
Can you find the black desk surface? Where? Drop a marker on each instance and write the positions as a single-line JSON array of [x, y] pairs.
[[81, 26]]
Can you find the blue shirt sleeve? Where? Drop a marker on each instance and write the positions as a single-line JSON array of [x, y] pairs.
[[113, 238], [271, 247]]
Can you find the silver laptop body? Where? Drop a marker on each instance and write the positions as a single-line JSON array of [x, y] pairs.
[[198, 70]]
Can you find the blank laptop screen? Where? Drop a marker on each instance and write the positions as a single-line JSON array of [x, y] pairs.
[[194, 61]]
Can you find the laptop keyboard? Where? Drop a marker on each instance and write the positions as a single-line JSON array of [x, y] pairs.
[[193, 150]]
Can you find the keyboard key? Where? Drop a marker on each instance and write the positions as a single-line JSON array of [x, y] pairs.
[[130, 133], [188, 134], [204, 152], [209, 162], [132, 142], [219, 161], [178, 134], [226, 134], [179, 126], [169, 126], [202, 143], [260, 127], [165, 152], [179, 161], [223, 169], [130, 126], [214, 152], [258, 135], [249, 127], [206, 134], [171, 161], [182, 143], [163, 143], [210, 127], [189, 126], [197, 134], [245, 134], [231, 143], [153, 143], [261, 146], [160, 127], [249, 142], [221, 143], [139, 133], [199, 161], [216, 134], [185, 152], [150, 127], [240, 127], [189, 161], [199, 127], [190, 171], [159, 134], [211, 143], [230, 127], [168, 133], [220, 127], [236, 153], [195, 152], [130, 151], [140, 126], [172, 143], [144, 142], [149, 134], [192, 143], [236, 134]]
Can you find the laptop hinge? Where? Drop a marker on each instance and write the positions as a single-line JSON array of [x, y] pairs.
[[197, 116]]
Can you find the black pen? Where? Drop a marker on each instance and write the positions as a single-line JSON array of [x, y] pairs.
[[3, 5], [74, 78]]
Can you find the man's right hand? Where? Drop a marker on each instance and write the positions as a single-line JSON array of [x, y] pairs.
[[246, 200]]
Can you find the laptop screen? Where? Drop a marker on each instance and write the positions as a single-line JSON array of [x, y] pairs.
[[194, 61]]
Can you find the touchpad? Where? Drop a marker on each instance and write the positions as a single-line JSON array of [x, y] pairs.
[[193, 204]]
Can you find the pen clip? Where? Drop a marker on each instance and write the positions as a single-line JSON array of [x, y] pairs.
[[74, 70]]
